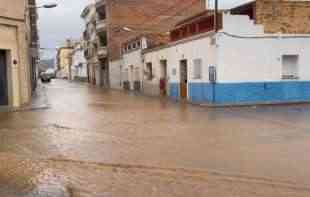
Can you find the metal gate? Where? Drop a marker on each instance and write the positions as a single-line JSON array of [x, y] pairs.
[[3, 79]]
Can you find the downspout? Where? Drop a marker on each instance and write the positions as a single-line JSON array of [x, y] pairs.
[[216, 28]]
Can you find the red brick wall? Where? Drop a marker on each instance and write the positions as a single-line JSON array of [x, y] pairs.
[[155, 15]]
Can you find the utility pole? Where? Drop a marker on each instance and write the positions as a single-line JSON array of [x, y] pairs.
[[216, 21]]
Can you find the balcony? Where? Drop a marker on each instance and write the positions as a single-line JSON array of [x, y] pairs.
[[100, 3], [102, 52], [101, 25]]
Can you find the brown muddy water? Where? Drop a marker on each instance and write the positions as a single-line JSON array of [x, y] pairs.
[[94, 142]]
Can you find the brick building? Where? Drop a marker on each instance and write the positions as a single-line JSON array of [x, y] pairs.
[[122, 20]]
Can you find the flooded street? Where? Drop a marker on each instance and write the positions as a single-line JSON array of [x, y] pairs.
[[94, 142]]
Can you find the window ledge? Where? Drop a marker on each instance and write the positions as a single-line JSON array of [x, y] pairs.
[[289, 77]]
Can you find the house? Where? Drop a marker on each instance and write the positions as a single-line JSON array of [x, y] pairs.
[[18, 52], [133, 74], [120, 21], [94, 51], [79, 64], [64, 60], [255, 57]]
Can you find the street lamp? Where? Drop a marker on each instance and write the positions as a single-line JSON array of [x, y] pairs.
[[47, 6]]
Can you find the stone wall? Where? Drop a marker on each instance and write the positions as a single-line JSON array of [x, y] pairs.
[[285, 16]]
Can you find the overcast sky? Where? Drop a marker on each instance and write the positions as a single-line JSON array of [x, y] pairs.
[[58, 24]]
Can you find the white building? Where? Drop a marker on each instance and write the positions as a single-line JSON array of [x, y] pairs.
[[241, 64], [133, 74], [79, 63]]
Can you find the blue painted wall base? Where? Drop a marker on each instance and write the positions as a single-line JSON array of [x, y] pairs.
[[246, 93], [174, 89]]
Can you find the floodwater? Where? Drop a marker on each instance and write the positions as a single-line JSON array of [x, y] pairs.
[[94, 142]]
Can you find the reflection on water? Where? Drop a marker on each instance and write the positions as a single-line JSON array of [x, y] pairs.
[[94, 142]]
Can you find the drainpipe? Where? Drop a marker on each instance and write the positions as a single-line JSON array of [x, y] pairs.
[[216, 27]]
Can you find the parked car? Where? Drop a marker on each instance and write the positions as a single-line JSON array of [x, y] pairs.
[[48, 75]]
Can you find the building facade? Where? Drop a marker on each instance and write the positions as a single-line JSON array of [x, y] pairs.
[[64, 60], [18, 52], [120, 21], [89, 16], [79, 64], [134, 75], [249, 61]]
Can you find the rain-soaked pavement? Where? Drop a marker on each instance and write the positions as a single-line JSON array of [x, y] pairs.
[[94, 142]]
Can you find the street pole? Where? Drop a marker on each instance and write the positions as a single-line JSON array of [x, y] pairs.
[[216, 27]]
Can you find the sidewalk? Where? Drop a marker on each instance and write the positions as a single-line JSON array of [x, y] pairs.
[[39, 102]]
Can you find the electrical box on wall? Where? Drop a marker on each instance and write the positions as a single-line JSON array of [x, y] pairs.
[[212, 74]]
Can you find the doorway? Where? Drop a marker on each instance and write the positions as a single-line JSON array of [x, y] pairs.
[[4, 100], [104, 73], [163, 78], [183, 79]]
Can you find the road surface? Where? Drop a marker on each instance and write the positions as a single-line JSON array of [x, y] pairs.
[[102, 143]]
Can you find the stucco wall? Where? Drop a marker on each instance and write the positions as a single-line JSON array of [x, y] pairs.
[[252, 59], [65, 61], [132, 63], [77, 60], [186, 50], [248, 63], [115, 74], [12, 39]]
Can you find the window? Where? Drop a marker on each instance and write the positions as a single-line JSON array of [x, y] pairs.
[[174, 71], [197, 69], [149, 71], [290, 67]]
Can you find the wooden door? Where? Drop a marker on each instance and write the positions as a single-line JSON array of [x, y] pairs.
[[183, 79]]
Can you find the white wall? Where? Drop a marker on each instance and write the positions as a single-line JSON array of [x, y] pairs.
[[131, 62], [115, 74], [200, 48], [98, 74], [77, 59], [257, 59]]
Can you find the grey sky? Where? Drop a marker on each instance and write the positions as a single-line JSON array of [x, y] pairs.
[[58, 24]]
